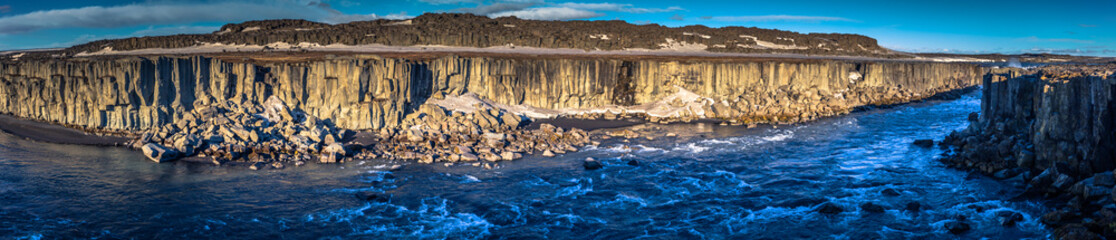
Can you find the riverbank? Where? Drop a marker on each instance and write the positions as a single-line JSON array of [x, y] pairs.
[[1052, 130], [708, 180], [52, 133], [447, 109]]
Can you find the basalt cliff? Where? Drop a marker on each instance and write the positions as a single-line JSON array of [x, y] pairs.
[[448, 108], [1052, 129]]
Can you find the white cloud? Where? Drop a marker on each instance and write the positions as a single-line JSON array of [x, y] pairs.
[[150, 31], [494, 8], [549, 13], [1058, 40], [777, 18], [344, 18], [617, 7], [443, 2], [153, 31], [540, 10], [164, 13]]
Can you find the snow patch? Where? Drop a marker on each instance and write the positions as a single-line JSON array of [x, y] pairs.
[[682, 103], [853, 76], [696, 34], [761, 44], [671, 45], [470, 102], [599, 36], [249, 29], [954, 59], [400, 23]]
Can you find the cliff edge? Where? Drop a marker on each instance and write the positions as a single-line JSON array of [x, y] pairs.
[[1052, 129], [444, 109]]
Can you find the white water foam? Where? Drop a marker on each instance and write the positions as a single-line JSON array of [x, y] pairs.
[[432, 219]]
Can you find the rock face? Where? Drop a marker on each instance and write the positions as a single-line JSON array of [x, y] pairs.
[[1053, 128], [158, 153], [133, 94], [1055, 117]]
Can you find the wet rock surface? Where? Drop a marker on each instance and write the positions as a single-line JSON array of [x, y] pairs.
[[1052, 129]]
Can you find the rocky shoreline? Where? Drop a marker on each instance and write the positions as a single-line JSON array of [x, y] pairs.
[[271, 134], [447, 109], [1052, 130]]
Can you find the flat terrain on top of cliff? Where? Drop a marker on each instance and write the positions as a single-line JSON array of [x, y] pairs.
[[291, 56]]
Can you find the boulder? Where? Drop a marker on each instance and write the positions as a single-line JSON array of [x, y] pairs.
[[956, 227], [468, 157], [829, 208], [924, 143], [371, 196], [1106, 179], [258, 165], [890, 192], [275, 110], [511, 120], [592, 164], [241, 132], [508, 156], [1008, 218], [914, 206], [871, 207], [462, 149], [1063, 182], [1044, 179], [333, 153], [158, 153], [491, 157], [336, 148], [189, 144]]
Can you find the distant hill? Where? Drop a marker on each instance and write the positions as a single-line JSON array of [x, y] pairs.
[[467, 30]]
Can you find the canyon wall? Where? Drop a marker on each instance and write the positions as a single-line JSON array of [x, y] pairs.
[[1053, 130], [135, 93], [1052, 118]]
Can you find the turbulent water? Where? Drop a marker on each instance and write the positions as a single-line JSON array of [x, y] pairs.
[[709, 182]]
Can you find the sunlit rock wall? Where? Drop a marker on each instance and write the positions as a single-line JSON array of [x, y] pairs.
[[135, 93]]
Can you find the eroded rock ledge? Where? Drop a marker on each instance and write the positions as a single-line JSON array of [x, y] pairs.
[[1054, 130], [445, 109]]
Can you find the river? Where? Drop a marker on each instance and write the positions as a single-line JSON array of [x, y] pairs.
[[710, 181]]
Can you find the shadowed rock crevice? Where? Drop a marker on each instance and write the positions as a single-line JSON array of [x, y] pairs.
[[623, 93]]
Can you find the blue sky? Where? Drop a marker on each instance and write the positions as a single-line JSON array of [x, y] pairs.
[[972, 26]]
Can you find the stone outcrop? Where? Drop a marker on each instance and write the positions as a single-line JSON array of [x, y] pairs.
[[132, 94], [1053, 129], [447, 109]]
